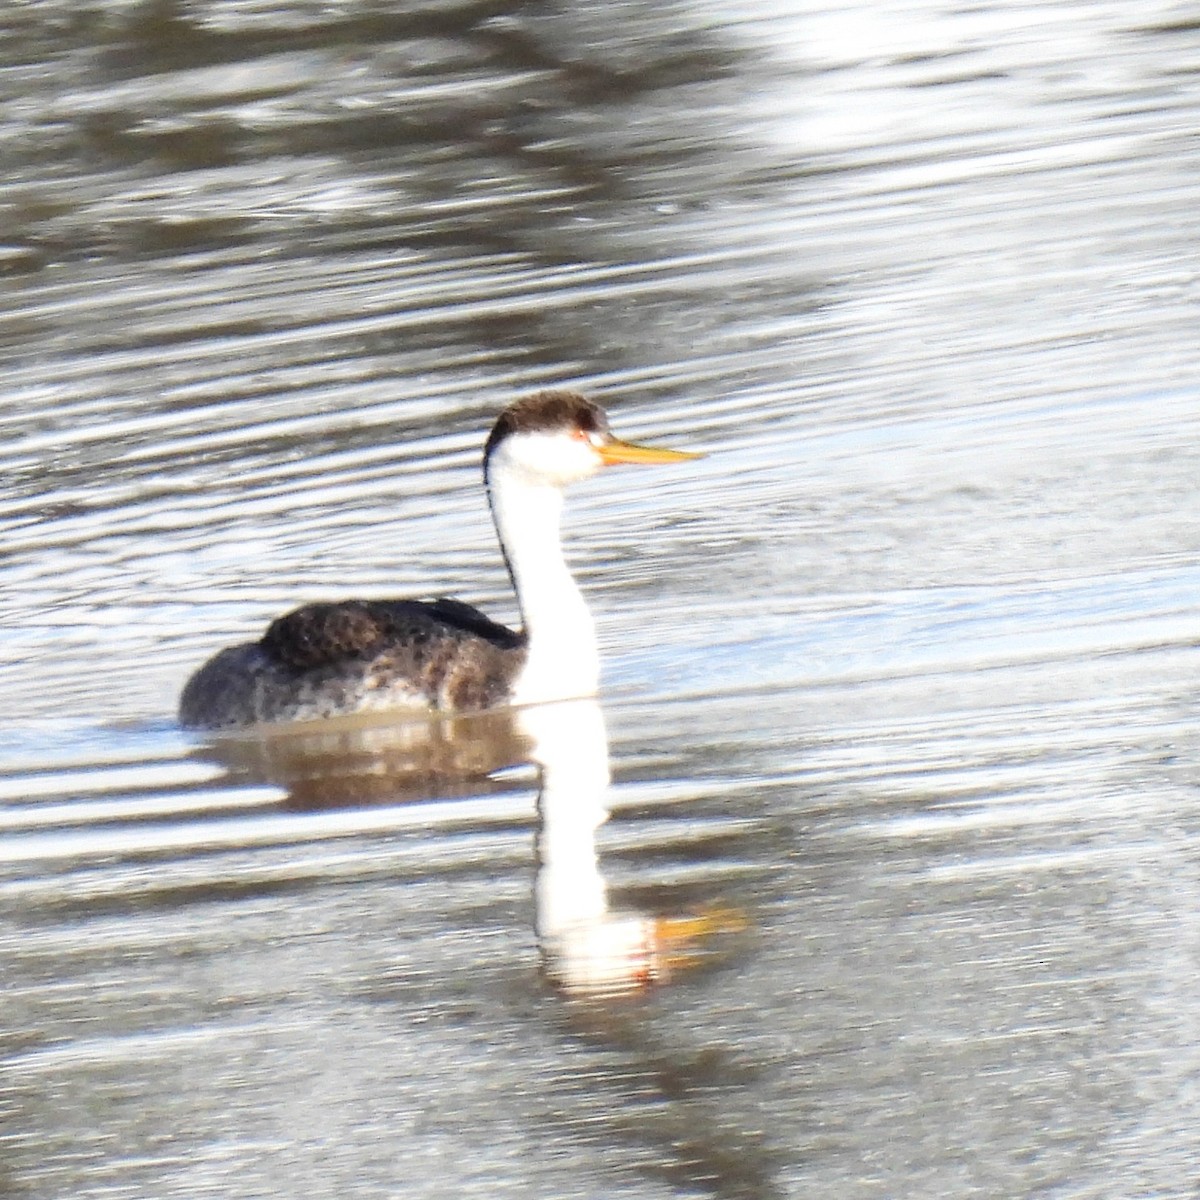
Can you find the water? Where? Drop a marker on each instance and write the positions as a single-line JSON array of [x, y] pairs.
[[896, 893]]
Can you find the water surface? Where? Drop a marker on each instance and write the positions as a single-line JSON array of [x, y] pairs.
[[897, 889]]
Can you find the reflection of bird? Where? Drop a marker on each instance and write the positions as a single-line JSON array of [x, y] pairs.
[[326, 660], [590, 948]]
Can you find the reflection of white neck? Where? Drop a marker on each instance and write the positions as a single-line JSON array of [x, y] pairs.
[[563, 661], [570, 745], [587, 950]]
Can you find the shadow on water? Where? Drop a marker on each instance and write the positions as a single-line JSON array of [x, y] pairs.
[[681, 1111]]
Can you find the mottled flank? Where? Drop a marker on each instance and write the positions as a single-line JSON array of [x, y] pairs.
[[325, 660]]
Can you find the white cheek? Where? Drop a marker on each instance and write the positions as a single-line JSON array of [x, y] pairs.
[[553, 457]]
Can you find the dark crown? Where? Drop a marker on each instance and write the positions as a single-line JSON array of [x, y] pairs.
[[547, 412]]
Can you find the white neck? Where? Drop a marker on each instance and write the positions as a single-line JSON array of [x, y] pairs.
[[563, 661]]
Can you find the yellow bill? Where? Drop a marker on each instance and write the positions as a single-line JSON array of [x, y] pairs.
[[615, 451]]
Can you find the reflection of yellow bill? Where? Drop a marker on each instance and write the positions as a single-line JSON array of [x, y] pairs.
[[615, 451], [679, 940], [620, 954]]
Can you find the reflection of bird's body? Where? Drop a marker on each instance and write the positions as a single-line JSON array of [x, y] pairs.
[[326, 660]]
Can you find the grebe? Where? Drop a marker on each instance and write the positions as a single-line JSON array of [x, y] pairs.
[[353, 656]]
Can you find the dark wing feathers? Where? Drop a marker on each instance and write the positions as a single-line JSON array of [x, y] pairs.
[[468, 618], [322, 635], [319, 634]]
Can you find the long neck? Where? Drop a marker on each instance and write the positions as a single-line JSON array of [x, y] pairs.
[[562, 660]]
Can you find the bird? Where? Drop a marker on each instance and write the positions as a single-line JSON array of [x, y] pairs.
[[333, 659]]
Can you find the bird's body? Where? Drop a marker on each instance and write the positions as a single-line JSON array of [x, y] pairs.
[[327, 660]]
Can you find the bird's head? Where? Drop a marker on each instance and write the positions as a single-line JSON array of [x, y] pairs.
[[558, 437]]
